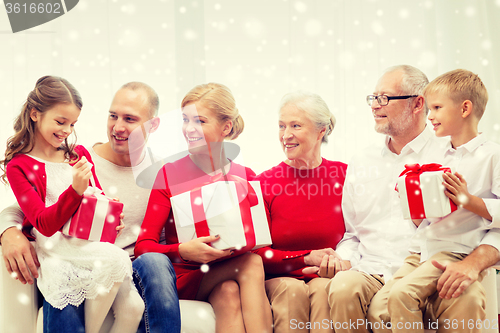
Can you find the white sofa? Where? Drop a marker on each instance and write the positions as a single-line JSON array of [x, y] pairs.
[[19, 312]]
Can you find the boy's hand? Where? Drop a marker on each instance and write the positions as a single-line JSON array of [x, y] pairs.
[[456, 188], [81, 175]]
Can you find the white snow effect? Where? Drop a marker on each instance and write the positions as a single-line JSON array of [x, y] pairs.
[[204, 268], [23, 299], [486, 44], [470, 11], [346, 60], [254, 28], [428, 4], [182, 10], [129, 38], [136, 230], [378, 28], [217, 6], [313, 27], [485, 62], [300, 6], [73, 35], [404, 13], [190, 34], [268, 254], [128, 9], [427, 59]]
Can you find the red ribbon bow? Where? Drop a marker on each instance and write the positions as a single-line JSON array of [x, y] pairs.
[[418, 169]]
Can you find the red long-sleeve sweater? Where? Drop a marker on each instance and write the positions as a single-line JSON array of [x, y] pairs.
[[305, 214], [29, 183]]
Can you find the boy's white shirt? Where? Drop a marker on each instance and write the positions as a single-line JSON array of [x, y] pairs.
[[462, 231]]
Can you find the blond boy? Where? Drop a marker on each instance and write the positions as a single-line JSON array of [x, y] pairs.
[[456, 101]]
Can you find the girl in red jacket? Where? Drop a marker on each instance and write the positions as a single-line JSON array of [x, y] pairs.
[[38, 165]]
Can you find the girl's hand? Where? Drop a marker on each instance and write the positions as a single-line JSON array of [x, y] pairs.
[[81, 175], [122, 225], [456, 188], [199, 251]]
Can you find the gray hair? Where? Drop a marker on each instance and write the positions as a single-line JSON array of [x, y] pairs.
[[314, 106], [414, 80], [153, 100]]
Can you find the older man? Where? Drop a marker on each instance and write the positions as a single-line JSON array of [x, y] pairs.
[[134, 105], [377, 238]]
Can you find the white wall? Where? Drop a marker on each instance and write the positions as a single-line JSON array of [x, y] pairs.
[[261, 49]]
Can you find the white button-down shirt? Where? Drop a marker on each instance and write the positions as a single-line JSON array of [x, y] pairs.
[[377, 237], [478, 161]]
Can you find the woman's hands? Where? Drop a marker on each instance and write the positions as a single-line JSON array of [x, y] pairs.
[[316, 256], [81, 175], [330, 263], [199, 251]]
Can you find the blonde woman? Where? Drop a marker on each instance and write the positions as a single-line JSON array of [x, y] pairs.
[[235, 285]]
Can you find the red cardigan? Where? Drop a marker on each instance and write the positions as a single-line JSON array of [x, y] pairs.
[[28, 180], [305, 214], [175, 178]]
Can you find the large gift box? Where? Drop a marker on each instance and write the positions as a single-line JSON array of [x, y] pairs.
[[96, 219], [233, 209], [422, 193]]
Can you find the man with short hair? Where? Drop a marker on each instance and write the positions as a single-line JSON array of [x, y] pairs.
[[377, 238], [134, 106]]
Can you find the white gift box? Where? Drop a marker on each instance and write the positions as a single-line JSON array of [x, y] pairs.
[[223, 216], [430, 194]]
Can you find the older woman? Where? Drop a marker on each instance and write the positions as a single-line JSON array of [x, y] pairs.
[[234, 286], [303, 196]]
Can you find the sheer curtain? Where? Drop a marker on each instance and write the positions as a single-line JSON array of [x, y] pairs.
[[260, 49]]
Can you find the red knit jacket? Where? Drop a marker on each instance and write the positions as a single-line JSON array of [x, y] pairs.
[[28, 180]]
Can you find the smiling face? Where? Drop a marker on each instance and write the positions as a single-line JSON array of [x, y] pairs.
[[444, 114], [54, 125], [395, 118], [299, 137], [129, 110], [200, 126]]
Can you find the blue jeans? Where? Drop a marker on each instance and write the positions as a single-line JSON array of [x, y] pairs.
[[155, 279]]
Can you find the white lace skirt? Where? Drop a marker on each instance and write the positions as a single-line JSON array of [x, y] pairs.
[[72, 270]]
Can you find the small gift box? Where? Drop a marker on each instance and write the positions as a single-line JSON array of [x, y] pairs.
[[233, 209], [422, 193], [96, 219]]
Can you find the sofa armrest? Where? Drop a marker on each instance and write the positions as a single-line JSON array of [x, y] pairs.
[[18, 304]]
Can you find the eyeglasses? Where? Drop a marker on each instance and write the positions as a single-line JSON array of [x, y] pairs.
[[383, 100]]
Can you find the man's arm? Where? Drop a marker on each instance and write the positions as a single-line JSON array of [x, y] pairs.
[[458, 276], [19, 255], [348, 247]]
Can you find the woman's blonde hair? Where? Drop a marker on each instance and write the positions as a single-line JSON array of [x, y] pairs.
[[219, 99], [48, 92]]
